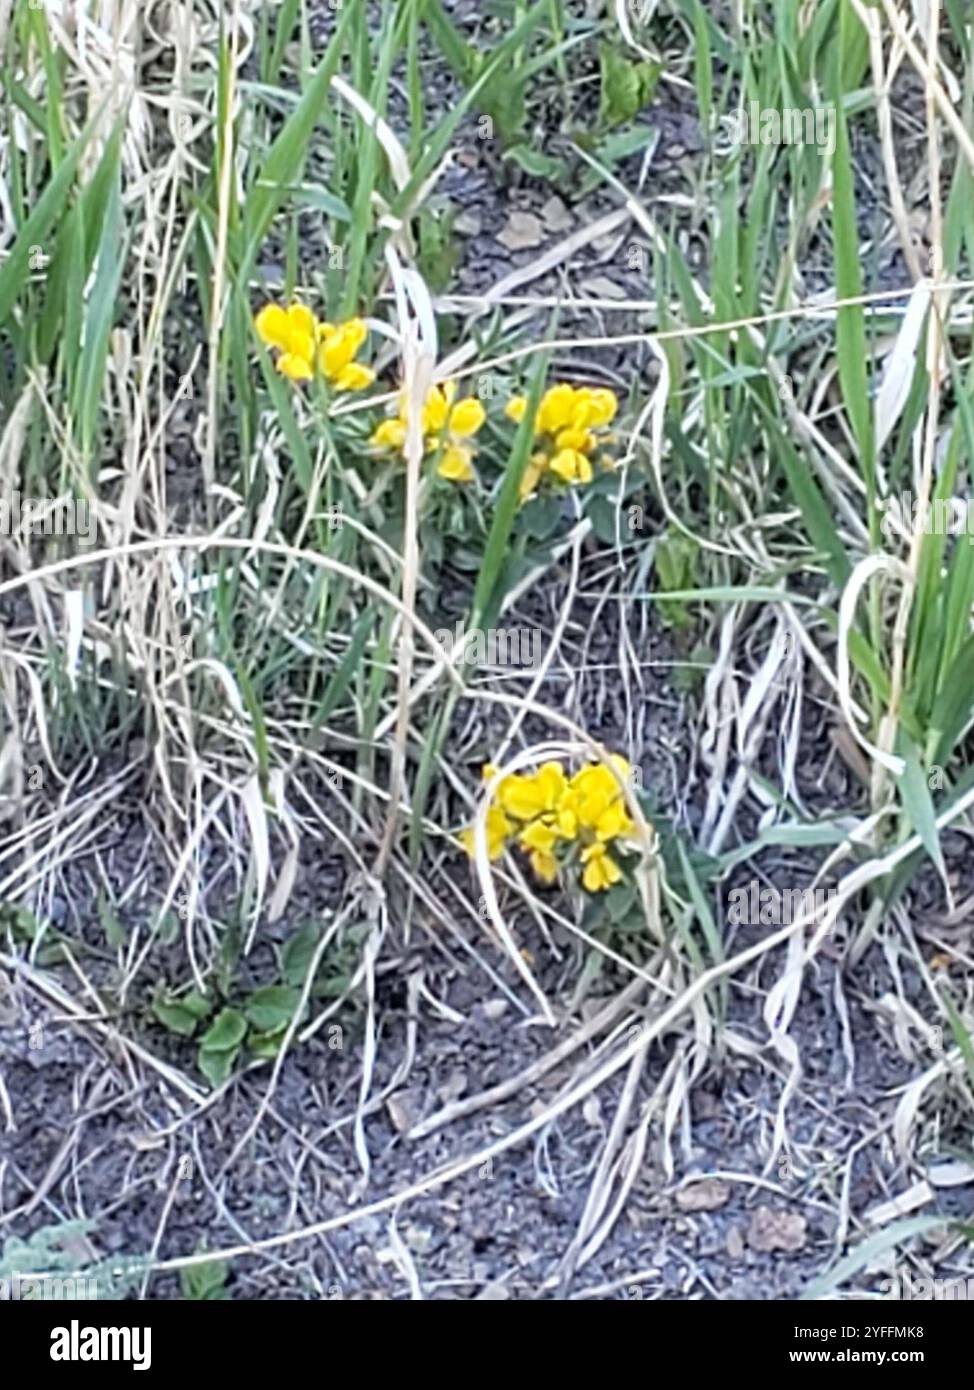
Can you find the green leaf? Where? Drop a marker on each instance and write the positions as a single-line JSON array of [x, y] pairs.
[[620, 899], [542, 517], [298, 953], [952, 707], [918, 804], [496, 551], [205, 1283], [608, 525], [675, 559], [15, 268], [272, 1006], [226, 1032], [100, 311], [626, 86], [172, 1015], [538, 165], [266, 1045], [850, 327], [216, 1066], [285, 158]]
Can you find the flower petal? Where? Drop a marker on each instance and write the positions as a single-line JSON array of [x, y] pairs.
[[391, 434], [435, 410], [538, 836], [467, 418], [295, 368], [301, 320], [566, 464], [456, 464], [532, 476], [272, 326], [545, 866], [340, 347], [556, 409], [601, 870], [355, 377]]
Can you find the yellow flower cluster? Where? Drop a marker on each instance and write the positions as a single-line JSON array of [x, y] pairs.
[[567, 429], [548, 810], [306, 347], [449, 426]]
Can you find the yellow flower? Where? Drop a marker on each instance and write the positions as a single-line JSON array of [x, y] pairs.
[[436, 408], [520, 797], [532, 475], [545, 807], [595, 407], [557, 409], [538, 836], [292, 332], [579, 441], [456, 464], [294, 366], [391, 435], [544, 865], [536, 795], [597, 801], [467, 418], [567, 427], [571, 466], [448, 426], [601, 871], [306, 346], [498, 830]]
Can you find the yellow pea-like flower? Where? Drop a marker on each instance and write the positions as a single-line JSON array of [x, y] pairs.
[[339, 347], [307, 347], [294, 366], [605, 406], [544, 866], [567, 426], [540, 836], [391, 434], [355, 377], [498, 828], [555, 411], [437, 408], [522, 797], [600, 870], [544, 808], [273, 326], [571, 466], [456, 464], [534, 471], [449, 427], [467, 418]]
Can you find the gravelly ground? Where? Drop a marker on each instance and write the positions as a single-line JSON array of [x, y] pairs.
[[502, 1229]]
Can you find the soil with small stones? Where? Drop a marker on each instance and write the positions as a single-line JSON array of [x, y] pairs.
[[93, 1135]]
